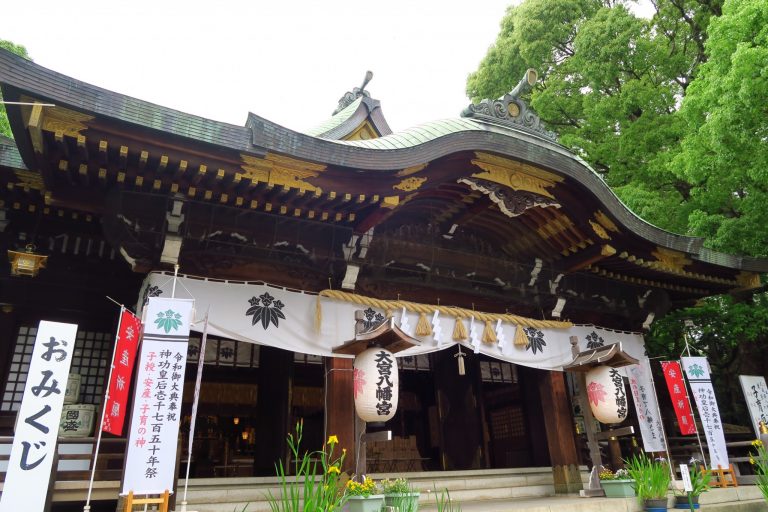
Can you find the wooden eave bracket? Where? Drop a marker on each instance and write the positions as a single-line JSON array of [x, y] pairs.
[[386, 335], [609, 355]]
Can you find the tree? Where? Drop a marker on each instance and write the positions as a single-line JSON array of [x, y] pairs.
[[5, 127], [611, 86], [724, 155]]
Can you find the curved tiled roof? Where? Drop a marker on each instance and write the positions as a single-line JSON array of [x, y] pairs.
[[411, 147]]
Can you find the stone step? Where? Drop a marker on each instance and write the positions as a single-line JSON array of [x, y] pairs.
[[236, 494], [462, 485]]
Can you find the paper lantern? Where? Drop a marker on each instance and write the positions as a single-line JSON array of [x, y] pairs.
[[606, 394], [375, 385]]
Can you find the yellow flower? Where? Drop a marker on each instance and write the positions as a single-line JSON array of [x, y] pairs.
[[344, 451], [333, 440], [752, 461], [334, 469], [757, 442]]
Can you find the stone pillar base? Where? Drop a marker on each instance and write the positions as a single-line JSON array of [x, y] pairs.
[[567, 479]]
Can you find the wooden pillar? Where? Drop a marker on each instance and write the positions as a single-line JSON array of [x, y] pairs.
[[558, 421], [340, 406], [272, 408]]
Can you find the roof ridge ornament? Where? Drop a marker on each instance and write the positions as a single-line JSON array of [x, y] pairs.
[[511, 110], [350, 96]]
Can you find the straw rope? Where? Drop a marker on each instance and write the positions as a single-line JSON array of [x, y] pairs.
[[427, 309]]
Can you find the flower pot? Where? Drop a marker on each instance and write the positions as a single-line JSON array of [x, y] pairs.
[[655, 505], [618, 488], [681, 502], [405, 502], [372, 503]]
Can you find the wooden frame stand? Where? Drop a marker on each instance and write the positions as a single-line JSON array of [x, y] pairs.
[[130, 501], [720, 476]]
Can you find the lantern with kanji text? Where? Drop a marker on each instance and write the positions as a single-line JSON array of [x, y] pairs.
[[375, 384]]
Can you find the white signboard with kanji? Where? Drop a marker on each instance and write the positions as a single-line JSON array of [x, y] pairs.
[[697, 371], [756, 394], [153, 435], [37, 425], [646, 407]]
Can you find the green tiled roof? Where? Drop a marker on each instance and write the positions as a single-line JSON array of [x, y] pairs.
[[334, 121], [9, 154], [418, 134]]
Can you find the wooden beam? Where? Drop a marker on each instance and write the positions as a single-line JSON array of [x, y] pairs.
[[123, 157], [35, 127], [585, 258], [103, 152], [82, 148]]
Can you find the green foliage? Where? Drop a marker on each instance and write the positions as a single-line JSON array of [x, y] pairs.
[[724, 155], [760, 462], [5, 127], [317, 478], [444, 503], [652, 477]]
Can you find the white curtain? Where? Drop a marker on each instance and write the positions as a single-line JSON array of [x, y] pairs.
[[278, 317]]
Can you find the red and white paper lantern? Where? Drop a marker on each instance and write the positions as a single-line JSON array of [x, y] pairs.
[[376, 385], [606, 394]]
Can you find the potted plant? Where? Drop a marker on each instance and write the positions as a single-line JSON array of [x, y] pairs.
[[363, 496], [699, 484], [652, 478], [398, 493], [616, 484]]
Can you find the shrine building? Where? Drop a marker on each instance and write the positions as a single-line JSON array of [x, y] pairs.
[[482, 237]]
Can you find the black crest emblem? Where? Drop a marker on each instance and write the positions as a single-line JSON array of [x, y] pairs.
[[536, 341], [265, 309]]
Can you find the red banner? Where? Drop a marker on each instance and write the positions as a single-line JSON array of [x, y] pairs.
[[122, 372], [673, 374]]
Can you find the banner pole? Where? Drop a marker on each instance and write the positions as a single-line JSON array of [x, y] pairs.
[[195, 400], [87, 506], [661, 423], [693, 414]]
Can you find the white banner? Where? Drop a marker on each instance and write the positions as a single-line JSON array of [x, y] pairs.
[[37, 424], [756, 394], [646, 406], [697, 371], [151, 460], [278, 317]]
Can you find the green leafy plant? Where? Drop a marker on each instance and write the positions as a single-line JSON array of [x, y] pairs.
[[760, 462], [316, 485], [404, 503], [444, 503], [396, 486], [699, 479], [652, 477]]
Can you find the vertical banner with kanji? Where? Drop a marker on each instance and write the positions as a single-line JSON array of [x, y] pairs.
[[697, 371], [37, 425], [673, 374], [647, 407], [154, 429], [122, 372], [756, 394]]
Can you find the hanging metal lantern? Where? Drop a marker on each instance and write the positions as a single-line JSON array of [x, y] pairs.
[[376, 385], [606, 394]]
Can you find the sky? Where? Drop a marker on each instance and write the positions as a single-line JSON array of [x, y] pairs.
[[288, 61]]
